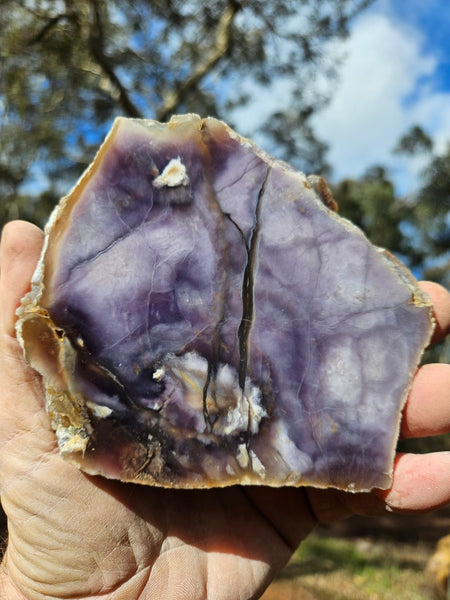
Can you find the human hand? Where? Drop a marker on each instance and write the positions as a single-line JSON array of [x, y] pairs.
[[74, 535]]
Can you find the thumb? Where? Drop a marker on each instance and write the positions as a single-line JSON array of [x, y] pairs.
[[21, 397], [21, 244]]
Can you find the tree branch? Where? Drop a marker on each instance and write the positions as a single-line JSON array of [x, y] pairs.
[[220, 48], [96, 47], [45, 29]]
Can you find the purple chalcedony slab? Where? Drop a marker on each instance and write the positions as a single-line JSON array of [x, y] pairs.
[[201, 319]]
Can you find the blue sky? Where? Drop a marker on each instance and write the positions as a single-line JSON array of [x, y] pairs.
[[432, 18], [396, 74]]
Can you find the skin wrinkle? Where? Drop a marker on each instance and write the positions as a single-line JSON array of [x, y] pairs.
[[58, 499], [140, 572], [133, 550], [290, 547], [94, 576], [10, 583], [12, 352], [143, 533], [103, 572], [142, 568], [141, 594], [24, 435], [47, 456], [41, 547], [119, 544]]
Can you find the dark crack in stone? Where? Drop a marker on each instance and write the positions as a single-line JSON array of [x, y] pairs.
[[202, 317]]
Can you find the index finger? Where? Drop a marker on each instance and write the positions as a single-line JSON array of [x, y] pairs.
[[427, 410], [441, 302]]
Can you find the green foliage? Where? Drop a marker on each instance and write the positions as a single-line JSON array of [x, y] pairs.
[[371, 203], [332, 568], [68, 68], [414, 141], [431, 216]]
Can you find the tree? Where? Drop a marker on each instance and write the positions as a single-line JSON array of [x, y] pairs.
[[68, 68], [414, 141], [372, 204], [417, 228], [430, 215]]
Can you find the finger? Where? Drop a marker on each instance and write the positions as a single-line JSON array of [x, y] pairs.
[[20, 248], [330, 505], [421, 483], [441, 302], [427, 411]]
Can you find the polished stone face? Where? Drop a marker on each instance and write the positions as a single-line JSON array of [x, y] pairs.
[[201, 318]]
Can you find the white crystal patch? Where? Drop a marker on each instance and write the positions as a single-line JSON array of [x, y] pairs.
[[233, 410], [99, 411], [173, 175]]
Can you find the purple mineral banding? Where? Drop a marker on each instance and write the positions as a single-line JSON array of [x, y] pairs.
[[202, 317]]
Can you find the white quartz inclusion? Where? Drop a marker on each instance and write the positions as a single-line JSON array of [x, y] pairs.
[[237, 410], [99, 411], [242, 456], [257, 465], [173, 175]]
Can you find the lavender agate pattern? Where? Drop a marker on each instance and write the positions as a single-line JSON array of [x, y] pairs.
[[202, 319]]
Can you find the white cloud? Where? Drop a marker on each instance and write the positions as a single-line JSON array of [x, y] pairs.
[[385, 87]]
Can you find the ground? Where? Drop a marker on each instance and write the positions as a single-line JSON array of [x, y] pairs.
[[371, 559]]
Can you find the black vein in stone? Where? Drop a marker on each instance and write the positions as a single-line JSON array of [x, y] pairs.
[[209, 388], [206, 415], [247, 291], [97, 254], [210, 378]]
